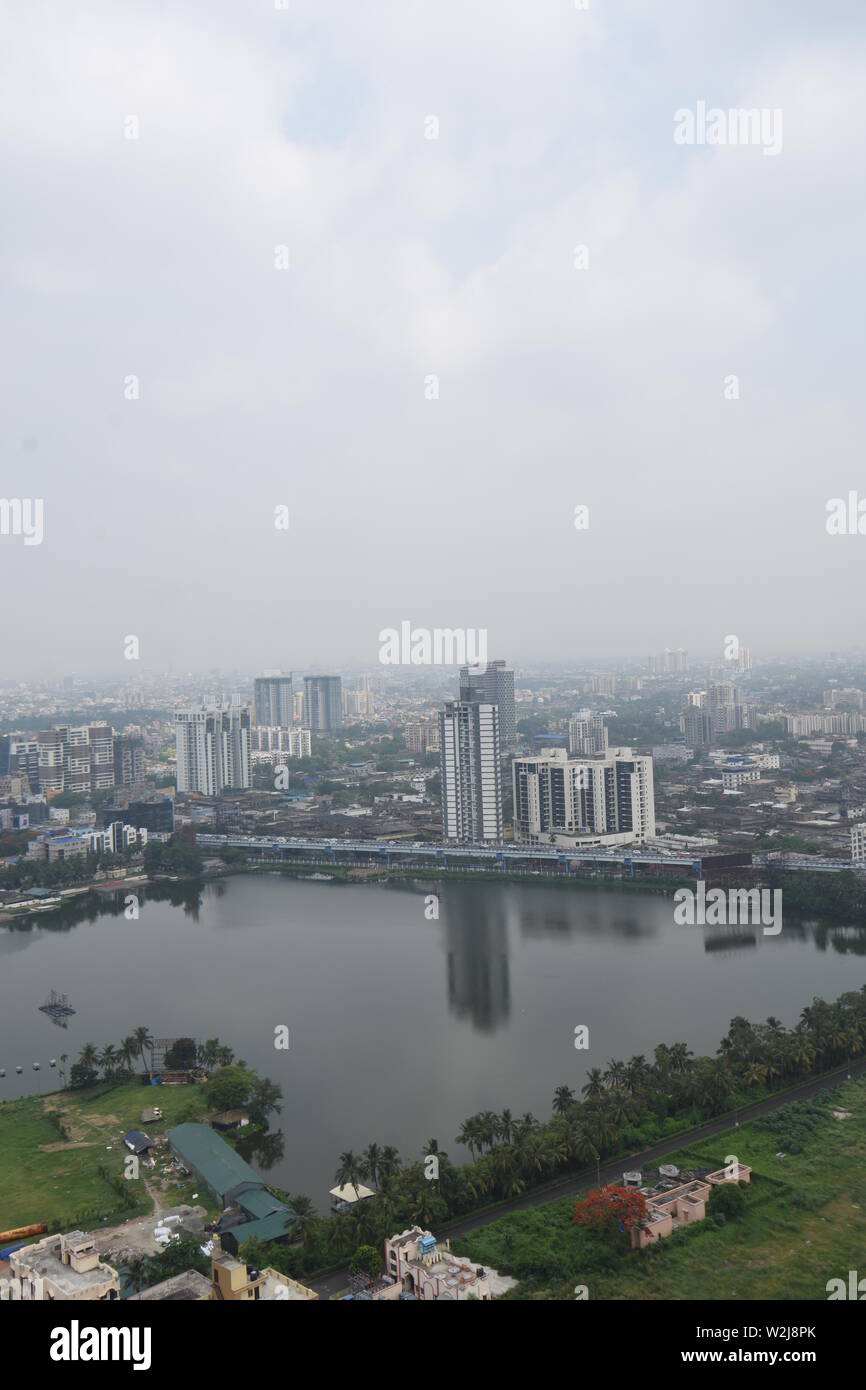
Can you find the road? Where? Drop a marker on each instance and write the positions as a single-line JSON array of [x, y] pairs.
[[337, 1282]]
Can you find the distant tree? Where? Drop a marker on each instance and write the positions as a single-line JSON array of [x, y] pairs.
[[229, 1088], [182, 1055], [367, 1261]]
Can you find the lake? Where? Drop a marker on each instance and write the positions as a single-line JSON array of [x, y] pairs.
[[402, 1026]]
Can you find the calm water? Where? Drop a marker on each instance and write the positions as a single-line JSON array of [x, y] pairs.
[[401, 1027]]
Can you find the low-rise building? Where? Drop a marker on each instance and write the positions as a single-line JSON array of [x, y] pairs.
[[678, 1199], [418, 1265], [62, 1268]]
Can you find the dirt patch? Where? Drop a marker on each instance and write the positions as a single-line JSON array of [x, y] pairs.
[[62, 1144]]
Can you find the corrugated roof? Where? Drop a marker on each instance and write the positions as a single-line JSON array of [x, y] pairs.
[[220, 1167], [279, 1223]]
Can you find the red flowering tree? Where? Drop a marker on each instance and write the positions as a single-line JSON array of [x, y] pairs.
[[610, 1210]]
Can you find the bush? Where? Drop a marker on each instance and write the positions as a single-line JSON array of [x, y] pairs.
[[727, 1201]]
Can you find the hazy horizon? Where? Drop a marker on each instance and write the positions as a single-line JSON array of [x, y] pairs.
[[410, 257]]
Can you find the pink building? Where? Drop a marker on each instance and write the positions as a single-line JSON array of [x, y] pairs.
[[671, 1204], [419, 1265]]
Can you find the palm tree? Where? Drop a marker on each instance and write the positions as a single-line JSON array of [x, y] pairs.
[[109, 1059], [349, 1172], [615, 1074], [128, 1052], [468, 1135], [306, 1219], [584, 1148], [525, 1125], [563, 1100], [487, 1128], [144, 1040], [754, 1074], [422, 1206], [89, 1057], [594, 1086], [372, 1157], [680, 1058], [431, 1146], [505, 1173], [506, 1127], [389, 1163]]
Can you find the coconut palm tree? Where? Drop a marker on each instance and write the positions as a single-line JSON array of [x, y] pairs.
[[563, 1100], [506, 1127], [371, 1159], [389, 1163], [487, 1127], [755, 1074], [89, 1057], [468, 1135], [594, 1086], [144, 1040], [108, 1059], [349, 1171], [128, 1052], [615, 1074], [525, 1125]]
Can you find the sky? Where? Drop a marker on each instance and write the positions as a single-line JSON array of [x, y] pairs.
[[426, 170]]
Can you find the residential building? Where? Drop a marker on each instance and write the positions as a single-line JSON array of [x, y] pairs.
[[471, 772], [129, 762], [418, 1266], [274, 701], [323, 704], [858, 842], [586, 733], [566, 801], [696, 724], [62, 1268], [213, 749], [677, 1200], [289, 743]]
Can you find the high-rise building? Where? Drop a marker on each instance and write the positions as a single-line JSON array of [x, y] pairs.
[[213, 749], [586, 733], [563, 800], [495, 686], [128, 762], [470, 771], [323, 704], [696, 723], [273, 701], [666, 662]]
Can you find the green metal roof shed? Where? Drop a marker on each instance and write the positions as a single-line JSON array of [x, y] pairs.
[[211, 1159]]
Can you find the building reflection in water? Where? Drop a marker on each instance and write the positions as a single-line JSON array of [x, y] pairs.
[[475, 937]]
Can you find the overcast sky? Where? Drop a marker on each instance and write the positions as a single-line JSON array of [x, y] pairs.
[[411, 257]]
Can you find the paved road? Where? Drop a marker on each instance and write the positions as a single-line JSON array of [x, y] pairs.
[[337, 1282]]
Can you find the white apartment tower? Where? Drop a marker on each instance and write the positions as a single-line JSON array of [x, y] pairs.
[[471, 771], [564, 800], [213, 750], [586, 733]]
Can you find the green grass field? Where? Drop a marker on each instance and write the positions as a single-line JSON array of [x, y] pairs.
[[804, 1222], [46, 1178]]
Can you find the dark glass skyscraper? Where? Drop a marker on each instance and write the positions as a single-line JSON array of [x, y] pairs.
[[272, 701], [323, 704], [494, 686]]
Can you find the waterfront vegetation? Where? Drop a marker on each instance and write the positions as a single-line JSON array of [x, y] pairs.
[[802, 1221], [621, 1109], [62, 1154]]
